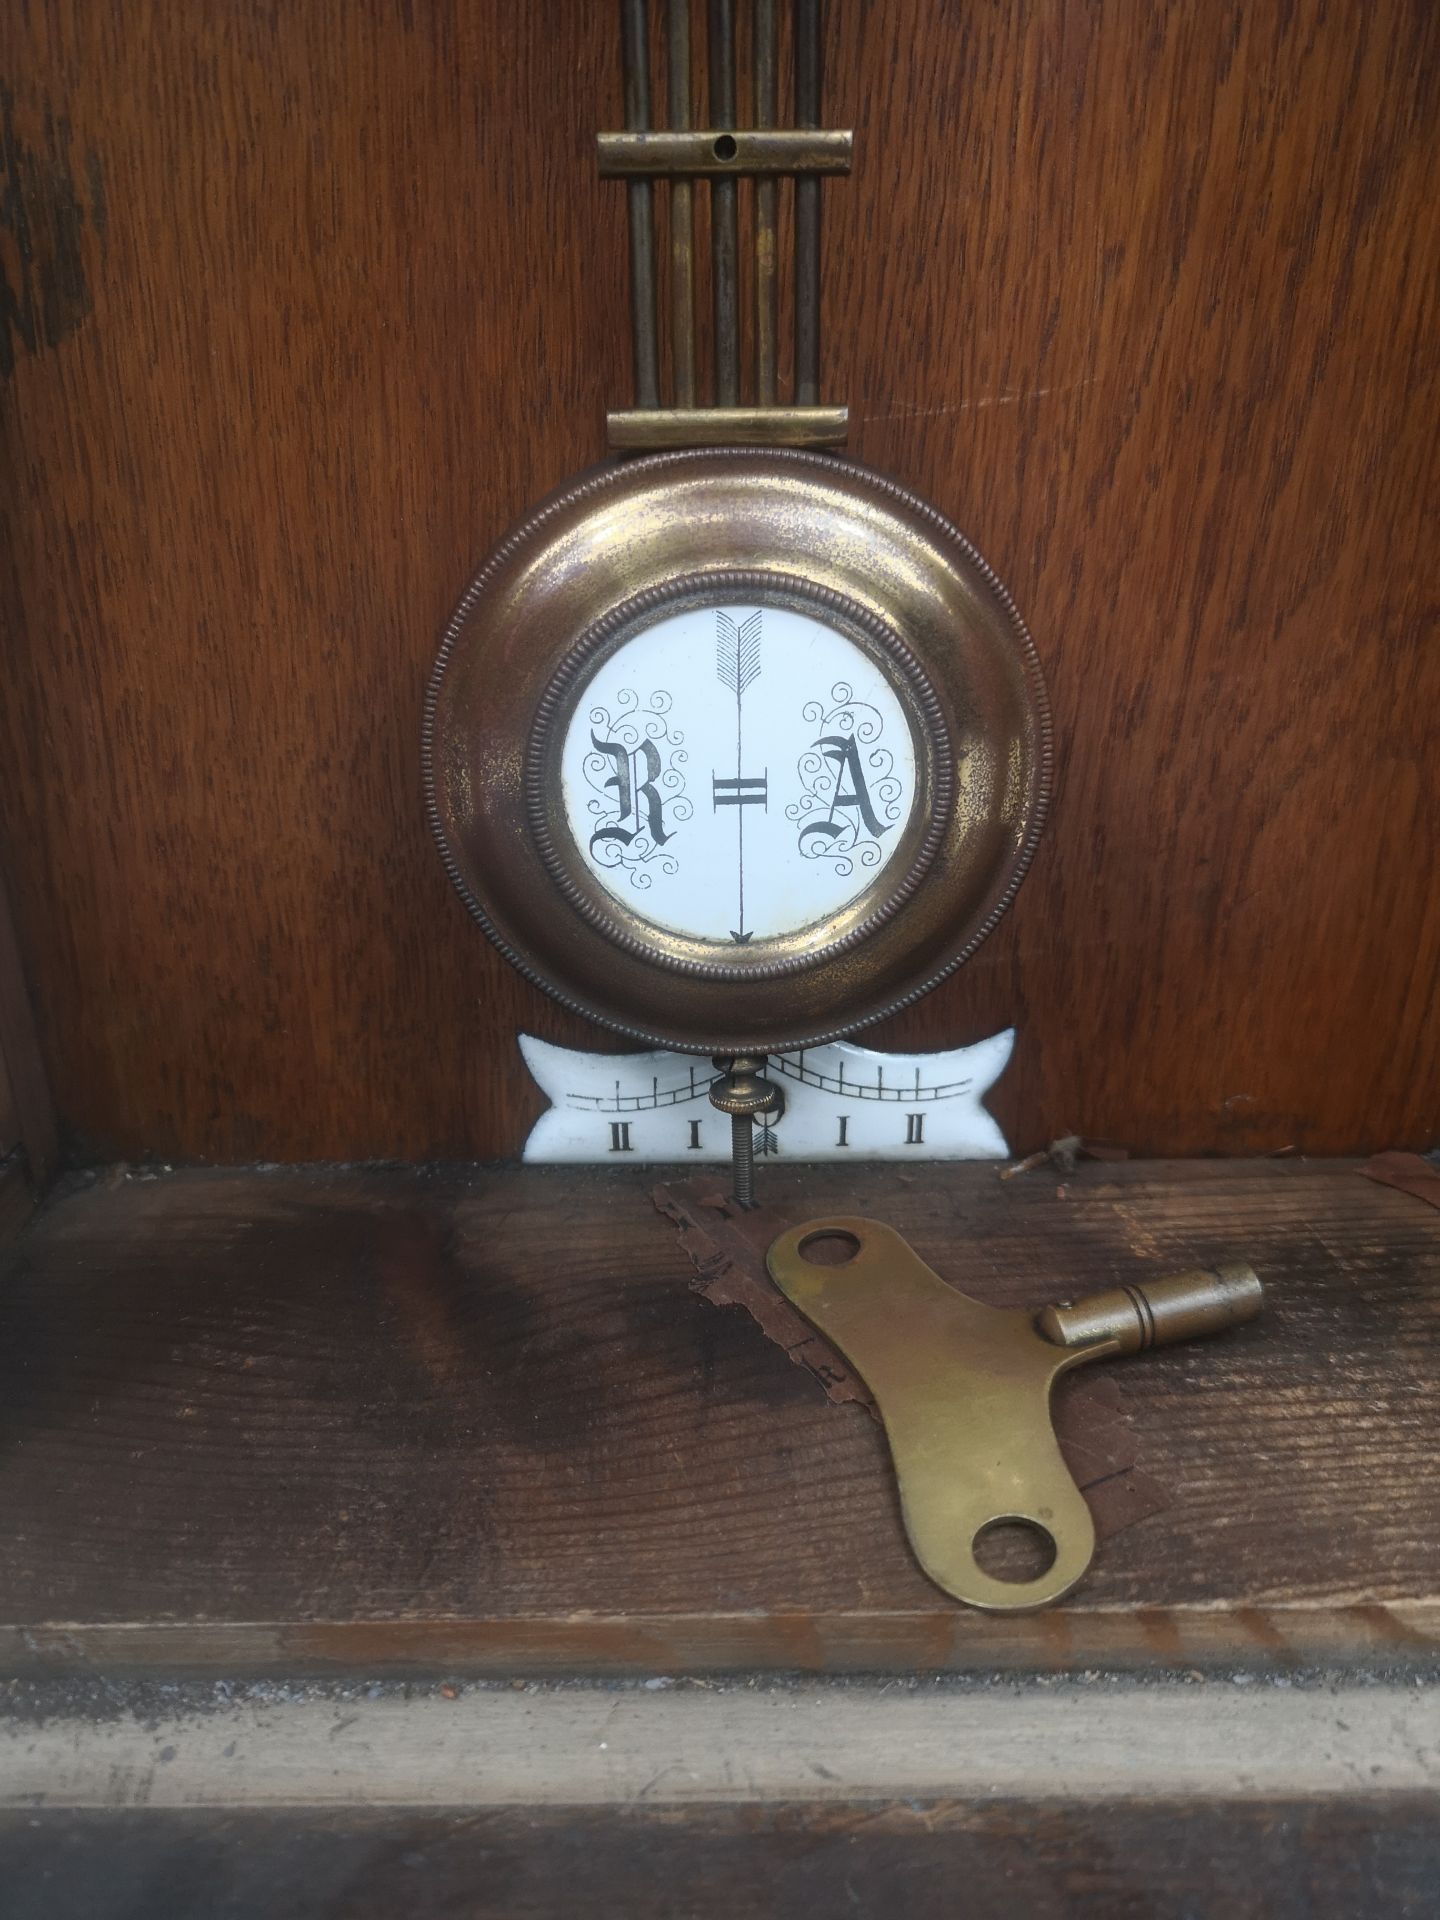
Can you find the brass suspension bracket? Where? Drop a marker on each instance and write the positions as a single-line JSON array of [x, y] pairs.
[[964, 1389], [786, 150], [642, 429], [720, 155]]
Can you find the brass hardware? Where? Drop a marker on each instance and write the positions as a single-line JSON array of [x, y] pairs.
[[807, 209], [635, 44], [767, 207], [743, 1092], [1157, 1313], [682, 214], [723, 152], [724, 212], [964, 1389], [637, 428]]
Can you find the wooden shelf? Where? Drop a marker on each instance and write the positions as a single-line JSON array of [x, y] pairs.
[[1261, 1860], [477, 1421]]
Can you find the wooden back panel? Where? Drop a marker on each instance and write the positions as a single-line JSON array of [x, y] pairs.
[[302, 306]]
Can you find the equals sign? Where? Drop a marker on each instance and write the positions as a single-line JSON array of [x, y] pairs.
[[752, 791]]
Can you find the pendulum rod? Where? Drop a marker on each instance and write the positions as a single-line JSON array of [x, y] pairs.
[[724, 210], [635, 48], [767, 200], [682, 214], [721, 152], [807, 209]]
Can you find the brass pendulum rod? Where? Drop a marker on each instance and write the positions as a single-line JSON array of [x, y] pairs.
[[724, 210], [807, 210], [682, 215], [767, 200], [635, 45], [723, 153]]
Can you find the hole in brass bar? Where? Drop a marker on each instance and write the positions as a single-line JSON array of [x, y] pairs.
[[766, 152], [1014, 1549], [832, 1248], [725, 147]]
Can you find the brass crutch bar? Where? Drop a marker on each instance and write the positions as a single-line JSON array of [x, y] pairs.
[[646, 429], [767, 206], [807, 209], [635, 49], [682, 212], [722, 153], [724, 210], [716, 152]]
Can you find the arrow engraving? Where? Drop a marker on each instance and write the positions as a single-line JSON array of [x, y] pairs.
[[737, 665]]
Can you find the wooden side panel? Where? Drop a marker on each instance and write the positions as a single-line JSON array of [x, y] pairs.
[[28, 1145], [301, 307], [17, 1196], [9, 1113]]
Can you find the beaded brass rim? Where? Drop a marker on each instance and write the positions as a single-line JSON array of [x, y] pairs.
[[625, 531], [633, 932]]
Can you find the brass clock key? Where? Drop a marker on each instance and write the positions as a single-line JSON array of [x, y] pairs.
[[964, 1389]]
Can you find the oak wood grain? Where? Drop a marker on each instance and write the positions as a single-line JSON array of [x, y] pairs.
[[303, 308], [480, 1420]]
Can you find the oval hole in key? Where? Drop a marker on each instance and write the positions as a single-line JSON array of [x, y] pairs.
[[1014, 1549], [831, 1247]]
